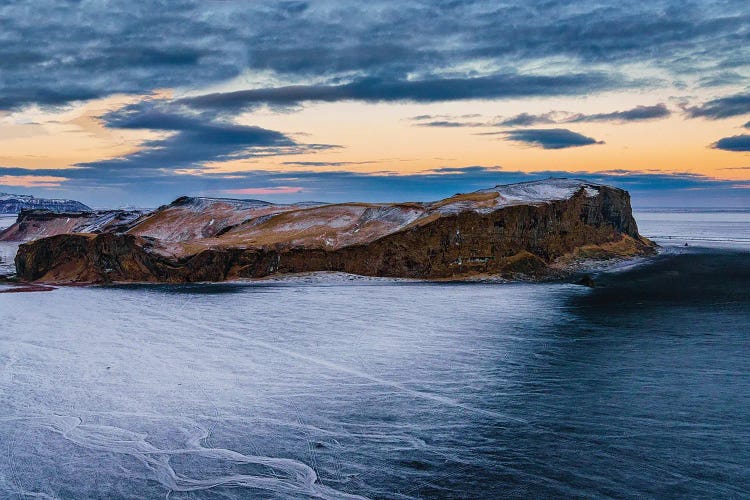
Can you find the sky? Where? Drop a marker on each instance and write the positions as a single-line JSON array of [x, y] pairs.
[[122, 103]]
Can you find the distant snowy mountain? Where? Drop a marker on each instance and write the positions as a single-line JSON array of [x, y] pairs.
[[14, 203]]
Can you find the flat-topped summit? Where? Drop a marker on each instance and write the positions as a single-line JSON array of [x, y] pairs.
[[543, 190], [527, 229], [503, 195]]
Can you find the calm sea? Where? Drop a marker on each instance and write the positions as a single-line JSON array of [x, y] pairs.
[[341, 388]]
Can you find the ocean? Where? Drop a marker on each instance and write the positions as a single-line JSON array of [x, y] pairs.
[[348, 388]]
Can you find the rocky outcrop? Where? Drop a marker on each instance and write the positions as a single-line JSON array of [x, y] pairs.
[[15, 203], [35, 224], [520, 230]]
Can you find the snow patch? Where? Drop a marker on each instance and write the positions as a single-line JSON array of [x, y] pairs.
[[542, 191]]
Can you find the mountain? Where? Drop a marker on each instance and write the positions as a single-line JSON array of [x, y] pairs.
[[14, 203], [532, 229]]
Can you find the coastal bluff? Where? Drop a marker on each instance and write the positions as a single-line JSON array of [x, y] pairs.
[[528, 230]]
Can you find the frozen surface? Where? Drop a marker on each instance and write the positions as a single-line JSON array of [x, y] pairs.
[[336, 388], [719, 228], [7, 256], [7, 220], [7, 250]]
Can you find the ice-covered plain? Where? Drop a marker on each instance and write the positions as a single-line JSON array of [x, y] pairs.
[[341, 388]]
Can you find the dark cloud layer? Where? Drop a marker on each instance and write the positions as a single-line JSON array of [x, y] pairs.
[[550, 138], [53, 52], [724, 107], [193, 141], [526, 119], [639, 113], [722, 79], [326, 163], [739, 143], [450, 124], [432, 89]]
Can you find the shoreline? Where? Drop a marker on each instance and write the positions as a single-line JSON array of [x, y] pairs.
[[585, 273], [569, 275]]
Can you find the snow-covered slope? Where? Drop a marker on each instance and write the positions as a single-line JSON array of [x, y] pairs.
[[14, 203], [211, 222], [523, 193], [542, 191], [34, 224], [191, 218]]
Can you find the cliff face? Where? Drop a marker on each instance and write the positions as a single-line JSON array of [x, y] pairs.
[[517, 230]]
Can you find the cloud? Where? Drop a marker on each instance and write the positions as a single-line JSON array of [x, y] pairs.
[[31, 181], [449, 124], [739, 143], [444, 117], [194, 141], [327, 163], [639, 113], [526, 119], [432, 89], [98, 48], [457, 121], [265, 191], [723, 107], [94, 49], [721, 79], [550, 138]]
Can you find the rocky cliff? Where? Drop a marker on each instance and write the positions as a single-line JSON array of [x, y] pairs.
[[521, 230]]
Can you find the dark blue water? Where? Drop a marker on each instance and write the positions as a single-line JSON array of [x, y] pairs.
[[325, 389]]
